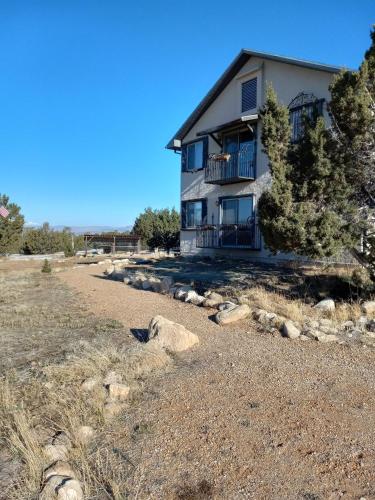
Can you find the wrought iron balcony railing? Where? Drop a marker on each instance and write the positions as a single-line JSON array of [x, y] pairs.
[[231, 168], [245, 236]]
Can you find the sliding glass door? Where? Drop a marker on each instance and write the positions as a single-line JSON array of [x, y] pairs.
[[237, 228]]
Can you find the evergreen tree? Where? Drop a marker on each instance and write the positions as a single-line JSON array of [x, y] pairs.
[[10, 227], [158, 228], [322, 196]]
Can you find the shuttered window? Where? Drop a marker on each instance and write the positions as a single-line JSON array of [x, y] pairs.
[[249, 95]]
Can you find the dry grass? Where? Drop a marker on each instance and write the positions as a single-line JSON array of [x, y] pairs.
[[296, 309]]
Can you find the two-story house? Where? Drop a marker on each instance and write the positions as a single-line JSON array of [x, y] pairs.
[[223, 168]]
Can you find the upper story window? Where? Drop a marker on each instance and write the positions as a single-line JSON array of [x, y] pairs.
[[249, 95], [193, 155], [303, 105]]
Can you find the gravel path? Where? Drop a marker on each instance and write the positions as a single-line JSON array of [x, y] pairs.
[[245, 414]]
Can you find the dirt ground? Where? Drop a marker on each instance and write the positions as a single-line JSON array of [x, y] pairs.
[[243, 415]]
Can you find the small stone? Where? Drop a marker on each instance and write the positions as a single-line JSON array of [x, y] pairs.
[[224, 306], [328, 338], [112, 378], [85, 434], [197, 300], [110, 270], [290, 330], [325, 305], [118, 391], [213, 300], [231, 315], [127, 280], [70, 490], [89, 384], [54, 452], [59, 468], [368, 307], [347, 325], [314, 334], [112, 409]]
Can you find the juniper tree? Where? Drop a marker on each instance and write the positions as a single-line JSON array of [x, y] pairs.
[[10, 227], [322, 197]]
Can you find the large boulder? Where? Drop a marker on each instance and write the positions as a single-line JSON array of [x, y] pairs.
[[182, 291], [325, 305], [170, 335], [232, 315], [110, 270], [193, 297], [290, 330], [368, 307]]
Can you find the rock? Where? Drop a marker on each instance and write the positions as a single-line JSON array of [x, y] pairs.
[[370, 325], [213, 299], [311, 323], [85, 434], [54, 452], [347, 325], [243, 299], [59, 468], [112, 378], [118, 392], [110, 270], [61, 438], [328, 330], [182, 291], [325, 322], [325, 305], [224, 306], [197, 300], [313, 334], [93, 264], [169, 335], [259, 314], [51, 487], [127, 281], [362, 322], [146, 285], [368, 307], [112, 409], [89, 384], [190, 296], [290, 330], [166, 284], [327, 338], [70, 490], [231, 315]]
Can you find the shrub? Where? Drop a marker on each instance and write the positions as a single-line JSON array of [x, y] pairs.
[[46, 268]]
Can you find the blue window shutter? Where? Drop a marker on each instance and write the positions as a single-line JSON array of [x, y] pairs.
[[249, 95], [183, 159], [205, 151], [204, 211], [183, 214]]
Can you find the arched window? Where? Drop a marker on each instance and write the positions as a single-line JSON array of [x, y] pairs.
[[303, 105]]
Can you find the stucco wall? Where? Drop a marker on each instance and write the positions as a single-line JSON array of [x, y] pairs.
[[288, 81]]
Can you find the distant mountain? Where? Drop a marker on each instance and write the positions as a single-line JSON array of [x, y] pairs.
[[94, 229]]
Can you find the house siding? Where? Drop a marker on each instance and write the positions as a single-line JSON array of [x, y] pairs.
[[288, 81]]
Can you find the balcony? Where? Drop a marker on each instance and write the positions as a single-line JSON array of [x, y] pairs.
[[245, 236], [230, 168]]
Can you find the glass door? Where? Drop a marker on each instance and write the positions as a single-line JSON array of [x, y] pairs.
[[237, 222]]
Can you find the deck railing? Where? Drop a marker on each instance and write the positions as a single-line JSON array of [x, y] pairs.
[[229, 236], [236, 167]]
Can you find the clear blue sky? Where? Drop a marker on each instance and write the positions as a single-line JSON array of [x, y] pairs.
[[91, 91]]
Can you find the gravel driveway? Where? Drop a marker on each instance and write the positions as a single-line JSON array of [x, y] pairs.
[[245, 414]]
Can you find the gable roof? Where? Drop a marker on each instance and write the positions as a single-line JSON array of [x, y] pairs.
[[229, 74]]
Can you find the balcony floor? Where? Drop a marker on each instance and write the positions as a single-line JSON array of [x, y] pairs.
[[232, 180]]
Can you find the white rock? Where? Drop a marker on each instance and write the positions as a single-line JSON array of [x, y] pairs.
[[89, 384], [182, 291], [197, 300], [169, 335], [51, 487], [226, 305], [325, 305], [118, 392], [190, 296], [368, 307], [59, 468], [54, 452], [110, 270], [328, 338], [314, 334], [231, 315], [290, 330], [213, 300], [85, 434], [70, 490], [112, 409], [112, 378]]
